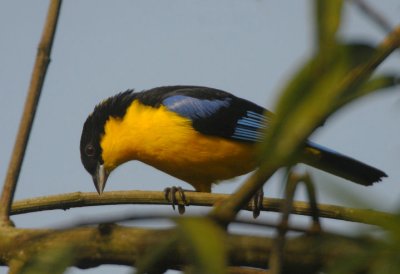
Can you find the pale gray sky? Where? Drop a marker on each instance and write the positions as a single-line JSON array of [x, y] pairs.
[[249, 48]]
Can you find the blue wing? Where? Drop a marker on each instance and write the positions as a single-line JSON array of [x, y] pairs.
[[250, 127], [229, 117], [195, 108]]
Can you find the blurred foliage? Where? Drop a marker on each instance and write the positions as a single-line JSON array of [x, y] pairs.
[[205, 250], [205, 242], [51, 260], [323, 84], [382, 255], [151, 261], [336, 74], [328, 19]]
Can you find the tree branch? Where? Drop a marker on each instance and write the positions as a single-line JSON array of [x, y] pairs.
[[80, 199], [21, 141], [114, 244]]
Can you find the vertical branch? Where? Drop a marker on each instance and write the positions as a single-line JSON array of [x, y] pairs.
[[293, 181], [277, 252], [38, 75], [312, 199]]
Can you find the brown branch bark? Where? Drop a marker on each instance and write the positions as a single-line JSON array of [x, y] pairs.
[[35, 87], [80, 199], [114, 244]]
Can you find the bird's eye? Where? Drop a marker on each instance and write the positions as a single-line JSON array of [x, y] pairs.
[[90, 150]]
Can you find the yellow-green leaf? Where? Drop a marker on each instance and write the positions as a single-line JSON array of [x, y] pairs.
[[50, 261], [328, 15], [150, 261], [376, 83], [312, 95], [205, 242]]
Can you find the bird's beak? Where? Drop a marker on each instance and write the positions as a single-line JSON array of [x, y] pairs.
[[100, 178]]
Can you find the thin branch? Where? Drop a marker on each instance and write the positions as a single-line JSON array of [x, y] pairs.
[[293, 181], [226, 211], [21, 141], [80, 199], [312, 198], [375, 16]]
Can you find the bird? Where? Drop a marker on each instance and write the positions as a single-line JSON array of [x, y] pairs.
[[197, 134]]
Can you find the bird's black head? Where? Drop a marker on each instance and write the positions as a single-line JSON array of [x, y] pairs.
[[90, 144], [91, 151], [93, 131]]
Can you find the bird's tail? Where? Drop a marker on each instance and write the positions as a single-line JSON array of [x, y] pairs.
[[341, 165]]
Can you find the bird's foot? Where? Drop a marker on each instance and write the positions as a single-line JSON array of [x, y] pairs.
[[170, 195], [258, 199]]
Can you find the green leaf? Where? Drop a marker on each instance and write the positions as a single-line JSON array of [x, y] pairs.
[[328, 15], [376, 83], [314, 93], [150, 262], [205, 241], [50, 261]]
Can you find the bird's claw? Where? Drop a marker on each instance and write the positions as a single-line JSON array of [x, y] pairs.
[[258, 199], [170, 196]]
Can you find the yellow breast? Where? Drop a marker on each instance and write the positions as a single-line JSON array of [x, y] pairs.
[[167, 141]]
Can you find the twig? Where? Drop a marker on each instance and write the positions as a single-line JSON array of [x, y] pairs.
[[376, 17], [80, 199], [312, 199], [37, 79], [293, 181], [226, 211]]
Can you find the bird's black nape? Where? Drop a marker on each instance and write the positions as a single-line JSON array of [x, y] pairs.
[[114, 106]]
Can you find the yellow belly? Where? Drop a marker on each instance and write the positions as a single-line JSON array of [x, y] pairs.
[[167, 141]]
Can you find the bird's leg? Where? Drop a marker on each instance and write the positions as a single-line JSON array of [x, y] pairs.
[[258, 199], [170, 196]]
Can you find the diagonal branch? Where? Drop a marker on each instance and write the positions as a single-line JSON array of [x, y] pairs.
[[375, 16], [32, 99]]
